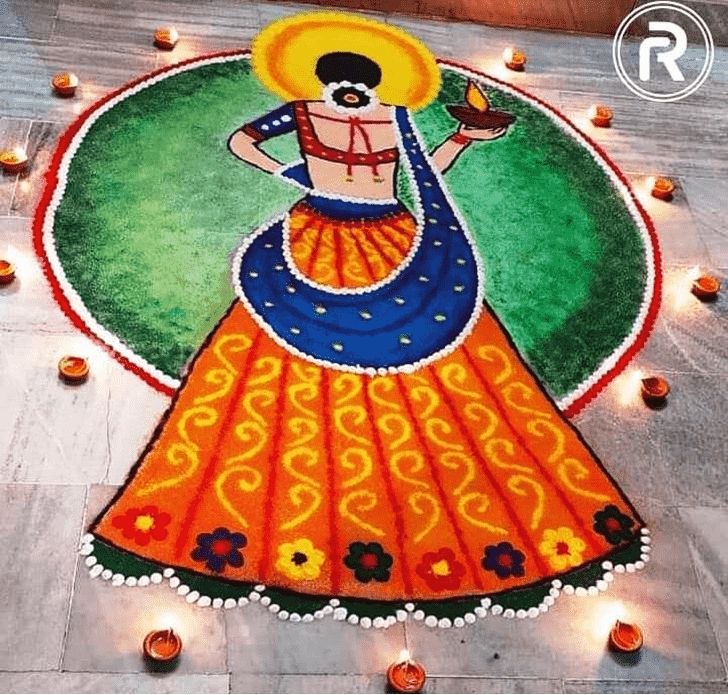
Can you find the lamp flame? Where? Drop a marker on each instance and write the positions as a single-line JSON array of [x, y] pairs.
[[476, 98]]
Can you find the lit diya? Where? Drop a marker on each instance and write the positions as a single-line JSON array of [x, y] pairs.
[[65, 84], [625, 637], [406, 675], [73, 370], [655, 390], [600, 116], [162, 645], [706, 287], [662, 189], [7, 272], [14, 161], [476, 112], [166, 38], [514, 59]]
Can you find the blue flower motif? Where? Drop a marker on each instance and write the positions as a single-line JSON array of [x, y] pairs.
[[220, 548], [504, 560]]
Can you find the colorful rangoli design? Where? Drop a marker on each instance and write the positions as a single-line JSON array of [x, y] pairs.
[[359, 435]]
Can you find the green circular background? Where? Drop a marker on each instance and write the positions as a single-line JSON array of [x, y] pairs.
[[155, 205]]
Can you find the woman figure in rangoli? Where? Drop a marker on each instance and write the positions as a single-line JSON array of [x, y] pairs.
[[359, 431]]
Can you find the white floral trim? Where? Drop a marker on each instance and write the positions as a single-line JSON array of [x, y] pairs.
[[331, 87], [124, 350], [335, 610]]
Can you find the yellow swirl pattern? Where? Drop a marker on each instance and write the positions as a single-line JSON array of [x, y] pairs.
[[364, 501], [385, 423], [418, 464], [296, 494], [308, 456], [506, 445], [488, 353], [573, 466], [516, 483], [454, 460], [359, 460], [527, 394], [483, 502], [415, 502], [454, 376], [240, 343], [250, 481]]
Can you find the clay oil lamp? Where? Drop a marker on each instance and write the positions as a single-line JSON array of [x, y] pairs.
[[162, 645], [14, 161], [65, 84], [477, 113], [7, 272], [655, 390], [706, 288], [166, 38], [73, 370], [626, 637], [600, 116], [514, 59], [662, 188], [406, 675]]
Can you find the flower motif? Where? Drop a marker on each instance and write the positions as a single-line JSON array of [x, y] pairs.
[[505, 560], [562, 548], [143, 524], [220, 548], [299, 560], [369, 561], [441, 570], [614, 525]]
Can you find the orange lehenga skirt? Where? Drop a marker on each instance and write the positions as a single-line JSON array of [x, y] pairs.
[[442, 492]]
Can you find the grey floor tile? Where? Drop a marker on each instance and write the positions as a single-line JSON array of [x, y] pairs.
[[131, 25], [26, 71], [27, 19], [453, 684], [252, 683], [51, 432], [627, 686], [40, 527], [13, 133], [707, 529], [340, 648], [27, 304], [42, 142], [707, 198], [107, 623], [135, 409], [66, 682], [570, 640]]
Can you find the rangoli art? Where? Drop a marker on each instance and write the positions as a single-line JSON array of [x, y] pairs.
[[378, 424]]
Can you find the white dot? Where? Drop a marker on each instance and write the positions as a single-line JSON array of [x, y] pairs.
[[265, 126], [319, 309], [365, 314], [295, 330], [405, 339], [285, 118], [337, 346], [276, 121]]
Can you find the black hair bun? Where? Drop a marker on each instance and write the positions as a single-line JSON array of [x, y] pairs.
[[354, 67]]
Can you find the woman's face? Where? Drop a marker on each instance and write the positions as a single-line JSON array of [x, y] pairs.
[[349, 81]]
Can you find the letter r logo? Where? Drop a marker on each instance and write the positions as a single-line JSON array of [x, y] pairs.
[[667, 58]]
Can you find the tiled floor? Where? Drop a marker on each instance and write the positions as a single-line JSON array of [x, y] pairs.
[[63, 450]]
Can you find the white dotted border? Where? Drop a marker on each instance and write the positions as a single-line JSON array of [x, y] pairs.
[[338, 612], [125, 351]]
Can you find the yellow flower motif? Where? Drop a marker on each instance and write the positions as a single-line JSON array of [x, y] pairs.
[[562, 548], [299, 560]]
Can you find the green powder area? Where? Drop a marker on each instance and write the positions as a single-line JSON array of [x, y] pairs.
[[155, 206]]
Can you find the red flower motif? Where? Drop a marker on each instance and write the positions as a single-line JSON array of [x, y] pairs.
[[142, 524], [441, 570]]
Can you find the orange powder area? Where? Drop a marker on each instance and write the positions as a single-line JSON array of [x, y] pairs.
[[348, 253], [304, 461]]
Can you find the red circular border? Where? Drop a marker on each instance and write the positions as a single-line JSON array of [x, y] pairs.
[[51, 179]]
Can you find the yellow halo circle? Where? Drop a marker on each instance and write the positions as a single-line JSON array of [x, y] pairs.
[[285, 53]]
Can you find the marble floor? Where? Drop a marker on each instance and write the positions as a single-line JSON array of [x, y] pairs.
[[64, 451]]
